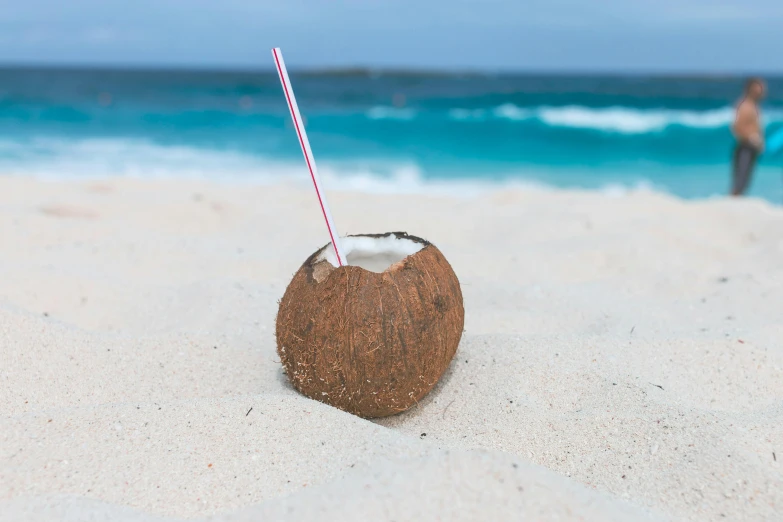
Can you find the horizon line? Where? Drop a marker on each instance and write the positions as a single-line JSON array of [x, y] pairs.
[[368, 70]]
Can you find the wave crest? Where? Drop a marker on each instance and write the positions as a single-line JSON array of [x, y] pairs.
[[633, 121], [97, 158], [390, 113], [623, 120], [617, 119]]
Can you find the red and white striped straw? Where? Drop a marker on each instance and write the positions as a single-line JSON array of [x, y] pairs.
[[308, 154]]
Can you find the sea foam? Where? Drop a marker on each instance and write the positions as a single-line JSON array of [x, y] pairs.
[[618, 119]]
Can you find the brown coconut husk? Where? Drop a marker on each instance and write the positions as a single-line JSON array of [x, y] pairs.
[[372, 344]]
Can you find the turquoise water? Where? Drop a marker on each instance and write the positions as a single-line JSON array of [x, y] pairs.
[[382, 131]]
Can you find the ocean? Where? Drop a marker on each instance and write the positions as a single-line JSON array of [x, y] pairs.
[[383, 131]]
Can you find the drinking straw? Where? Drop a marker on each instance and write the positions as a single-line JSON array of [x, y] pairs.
[[308, 153]]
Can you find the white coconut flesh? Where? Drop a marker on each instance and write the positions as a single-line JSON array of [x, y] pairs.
[[374, 254]]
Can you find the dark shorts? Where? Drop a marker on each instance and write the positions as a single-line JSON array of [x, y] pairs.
[[745, 156]]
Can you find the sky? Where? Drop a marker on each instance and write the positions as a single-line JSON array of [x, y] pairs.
[[696, 36]]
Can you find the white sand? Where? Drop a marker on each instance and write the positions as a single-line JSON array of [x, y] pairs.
[[633, 346]]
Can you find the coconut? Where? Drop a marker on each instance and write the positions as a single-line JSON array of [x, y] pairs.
[[374, 336]]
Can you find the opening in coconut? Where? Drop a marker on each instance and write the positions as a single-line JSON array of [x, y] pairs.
[[373, 253]]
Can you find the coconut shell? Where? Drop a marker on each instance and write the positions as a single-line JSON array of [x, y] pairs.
[[372, 344]]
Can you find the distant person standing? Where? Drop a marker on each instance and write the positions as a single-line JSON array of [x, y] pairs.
[[750, 138]]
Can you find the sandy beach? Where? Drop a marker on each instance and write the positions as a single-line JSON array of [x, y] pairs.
[[622, 359]]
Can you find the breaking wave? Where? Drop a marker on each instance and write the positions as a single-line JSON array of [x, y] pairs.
[[623, 120], [101, 158]]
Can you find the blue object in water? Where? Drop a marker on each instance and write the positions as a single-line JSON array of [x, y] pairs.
[[775, 143]]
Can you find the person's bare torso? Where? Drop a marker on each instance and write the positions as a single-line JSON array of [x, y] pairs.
[[747, 124]]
